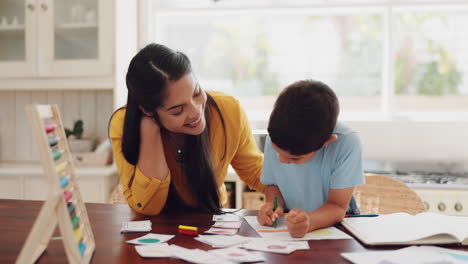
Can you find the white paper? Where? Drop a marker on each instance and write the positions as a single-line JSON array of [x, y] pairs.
[[197, 256], [400, 228], [237, 255], [274, 246], [226, 217], [150, 239], [136, 226], [409, 255], [161, 250], [281, 233], [220, 241], [221, 231], [228, 224]]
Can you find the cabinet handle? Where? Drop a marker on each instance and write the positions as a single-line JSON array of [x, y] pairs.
[[44, 7], [458, 207], [30, 7]]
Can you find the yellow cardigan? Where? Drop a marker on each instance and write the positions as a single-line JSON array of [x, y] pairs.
[[148, 195]]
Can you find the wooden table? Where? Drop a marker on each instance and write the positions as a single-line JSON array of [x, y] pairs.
[[17, 218]]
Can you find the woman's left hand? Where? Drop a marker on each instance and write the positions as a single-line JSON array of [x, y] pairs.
[[298, 222]]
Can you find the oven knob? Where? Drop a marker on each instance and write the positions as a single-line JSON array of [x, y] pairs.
[[441, 207], [458, 207], [426, 205]]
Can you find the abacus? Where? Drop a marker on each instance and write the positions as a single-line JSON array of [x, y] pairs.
[[64, 205]]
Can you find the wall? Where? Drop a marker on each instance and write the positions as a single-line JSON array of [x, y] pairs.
[[442, 144], [16, 141]]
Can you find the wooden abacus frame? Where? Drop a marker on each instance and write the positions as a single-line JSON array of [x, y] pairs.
[[55, 209]]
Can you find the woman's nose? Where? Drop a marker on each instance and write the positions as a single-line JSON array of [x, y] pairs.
[[195, 111]]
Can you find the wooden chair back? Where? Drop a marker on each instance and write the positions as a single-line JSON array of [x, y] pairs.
[[385, 195]]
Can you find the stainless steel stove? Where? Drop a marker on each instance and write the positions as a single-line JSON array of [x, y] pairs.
[[442, 187]]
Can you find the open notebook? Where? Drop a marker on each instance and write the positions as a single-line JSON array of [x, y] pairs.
[[406, 229]]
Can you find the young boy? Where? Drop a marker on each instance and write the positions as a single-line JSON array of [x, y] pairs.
[[312, 162]]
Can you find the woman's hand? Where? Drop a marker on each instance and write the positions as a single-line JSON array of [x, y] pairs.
[[151, 159], [148, 126], [266, 216], [298, 222]]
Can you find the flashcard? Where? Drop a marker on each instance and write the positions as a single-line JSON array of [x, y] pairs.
[[149, 239], [273, 246], [221, 231], [221, 241], [228, 224], [136, 226], [161, 250], [226, 217], [197, 255], [237, 255]]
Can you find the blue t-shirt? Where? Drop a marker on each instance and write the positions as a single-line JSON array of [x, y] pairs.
[[305, 186]]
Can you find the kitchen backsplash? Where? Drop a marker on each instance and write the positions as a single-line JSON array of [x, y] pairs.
[[16, 141]]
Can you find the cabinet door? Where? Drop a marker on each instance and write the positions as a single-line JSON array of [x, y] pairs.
[[17, 37], [76, 38]]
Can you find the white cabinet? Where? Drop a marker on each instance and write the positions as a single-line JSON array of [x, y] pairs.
[[56, 38], [27, 181]]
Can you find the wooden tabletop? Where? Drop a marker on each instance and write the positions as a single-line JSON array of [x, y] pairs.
[[18, 216]]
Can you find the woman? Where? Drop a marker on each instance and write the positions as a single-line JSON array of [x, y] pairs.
[[173, 141]]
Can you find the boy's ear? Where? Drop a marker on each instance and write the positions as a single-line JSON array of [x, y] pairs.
[[330, 140], [146, 113]]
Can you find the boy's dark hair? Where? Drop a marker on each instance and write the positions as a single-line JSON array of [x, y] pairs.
[[303, 117]]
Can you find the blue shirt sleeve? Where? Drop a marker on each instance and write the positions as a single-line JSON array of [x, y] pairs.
[[347, 170], [268, 162]]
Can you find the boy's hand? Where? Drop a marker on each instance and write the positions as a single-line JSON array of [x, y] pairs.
[[298, 222], [266, 216]]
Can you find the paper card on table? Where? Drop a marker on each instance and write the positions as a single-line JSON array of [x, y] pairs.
[[161, 250], [410, 255], [281, 231], [274, 246], [197, 255], [230, 210], [221, 241], [299, 245], [149, 239], [136, 226], [237, 255], [228, 224], [226, 217], [221, 231]]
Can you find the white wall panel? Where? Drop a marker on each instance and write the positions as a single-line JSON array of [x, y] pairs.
[[104, 111], [24, 139], [88, 113], [7, 126], [16, 141]]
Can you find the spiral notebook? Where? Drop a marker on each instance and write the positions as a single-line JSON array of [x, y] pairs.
[[406, 229]]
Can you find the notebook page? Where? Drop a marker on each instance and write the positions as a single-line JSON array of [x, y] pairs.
[[399, 227], [455, 225]]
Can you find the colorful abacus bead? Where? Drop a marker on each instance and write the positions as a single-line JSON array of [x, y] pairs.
[[82, 248], [56, 154], [50, 128], [53, 141], [64, 181], [67, 195]]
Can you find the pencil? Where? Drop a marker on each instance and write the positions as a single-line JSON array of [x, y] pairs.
[[362, 215]]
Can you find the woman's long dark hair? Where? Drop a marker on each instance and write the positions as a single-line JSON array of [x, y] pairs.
[[147, 78]]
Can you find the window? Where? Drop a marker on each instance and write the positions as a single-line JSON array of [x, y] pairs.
[[382, 58]]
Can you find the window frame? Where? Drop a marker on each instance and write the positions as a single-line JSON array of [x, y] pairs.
[[386, 8]]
